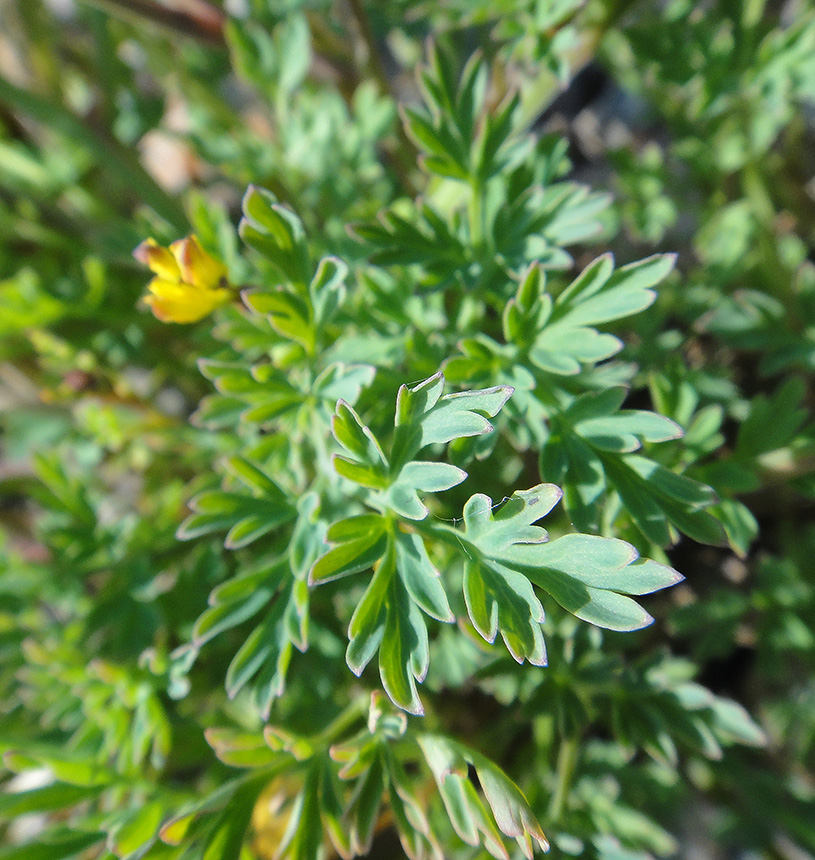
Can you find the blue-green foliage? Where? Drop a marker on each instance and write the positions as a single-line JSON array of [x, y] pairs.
[[364, 554]]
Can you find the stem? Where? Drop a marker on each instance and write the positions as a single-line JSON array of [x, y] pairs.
[[566, 764], [202, 20], [777, 275], [402, 158], [123, 166], [353, 714], [374, 57], [477, 215]]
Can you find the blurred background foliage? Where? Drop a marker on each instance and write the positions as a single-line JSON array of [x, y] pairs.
[[672, 127]]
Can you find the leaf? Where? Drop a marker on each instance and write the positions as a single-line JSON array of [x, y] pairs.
[[64, 767], [499, 598], [512, 813], [247, 518], [362, 542], [731, 721], [137, 830], [588, 575], [258, 393], [266, 652], [58, 844], [240, 748], [288, 314], [363, 810], [236, 601], [420, 577], [389, 617], [177, 828], [559, 336], [367, 625], [46, 799], [403, 653], [343, 382], [772, 423], [448, 761], [605, 296], [402, 495], [355, 437], [656, 497], [591, 447], [275, 232], [424, 416]]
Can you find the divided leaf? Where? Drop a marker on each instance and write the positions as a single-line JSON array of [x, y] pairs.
[[588, 575], [389, 616], [277, 233], [559, 334], [246, 517], [591, 449], [423, 417], [511, 812]]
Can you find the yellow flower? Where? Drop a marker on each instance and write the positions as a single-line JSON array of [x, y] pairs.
[[189, 283]]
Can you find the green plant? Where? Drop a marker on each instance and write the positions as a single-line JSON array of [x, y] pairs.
[[257, 566]]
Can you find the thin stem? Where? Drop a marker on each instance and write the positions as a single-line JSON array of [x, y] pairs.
[[201, 20], [566, 764], [123, 165], [402, 158], [374, 57], [477, 215], [352, 715]]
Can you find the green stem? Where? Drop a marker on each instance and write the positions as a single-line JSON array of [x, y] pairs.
[[123, 166], [566, 764], [353, 714], [477, 216], [204, 21], [777, 274], [402, 158]]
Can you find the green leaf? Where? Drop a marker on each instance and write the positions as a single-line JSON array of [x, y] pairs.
[[352, 555], [240, 748], [276, 233], [246, 518], [403, 654], [236, 601], [65, 768], [343, 382], [58, 844], [448, 761], [588, 575], [363, 811], [355, 437], [367, 625], [402, 495], [373, 477], [559, 335], [288, 314], [598, 296], [48, 798], [424, 416], [732, 722], [137, 830], [420, 577], [266, 653], [773, 422], [499, 598]]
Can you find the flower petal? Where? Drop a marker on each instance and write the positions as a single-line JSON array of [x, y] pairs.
[[159, 260], [196, 265], [183, 303]]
